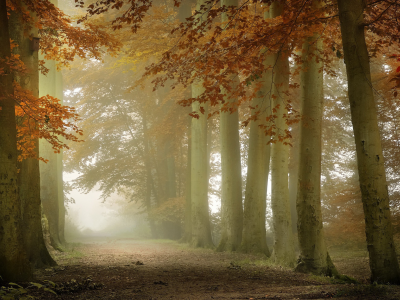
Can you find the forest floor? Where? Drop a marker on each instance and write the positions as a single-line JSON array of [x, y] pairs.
[[149, 269]]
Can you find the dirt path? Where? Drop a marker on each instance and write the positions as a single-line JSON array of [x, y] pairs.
[[113, 269]]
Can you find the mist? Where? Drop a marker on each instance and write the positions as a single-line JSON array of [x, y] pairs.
[[199, 150]]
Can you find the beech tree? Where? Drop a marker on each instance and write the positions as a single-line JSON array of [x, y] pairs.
[[314, 257], [231, 185], [282, 223], [378, 227], [254, 233], [49, 84], [28, 176], [14, 263]]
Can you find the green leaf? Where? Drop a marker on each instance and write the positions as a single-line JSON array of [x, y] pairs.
[[38, 285], [14, 284], [49, 290], [51, 283]]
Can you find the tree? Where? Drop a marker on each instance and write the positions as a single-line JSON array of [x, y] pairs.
[[282, 223], [382, 255], [14, 264], [231, 185], [254, 238], [49, 85], [314, 257], [28, 175], [201, 231]]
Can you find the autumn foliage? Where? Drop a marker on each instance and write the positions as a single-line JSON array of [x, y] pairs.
[[203, 49], [60, 40]]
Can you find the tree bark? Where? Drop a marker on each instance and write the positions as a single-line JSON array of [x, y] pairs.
[[29, 176], [187, 235], [14, 264], [283, 252], [153, 228], [231, 183], [49, 181], [185, 11], [201, 230], [314, 257], [60, 186], [254, 238], [378, 227], [294, 177]]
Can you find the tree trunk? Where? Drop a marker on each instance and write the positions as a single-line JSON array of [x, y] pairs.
[[254, 238], [294, 153], [48, 171], [29, 176], [14, 264], [153, 228], [314, 256], [187, 235], [382, 255], [201, 230], [282, 223], [60, 186], [231, 183], [173, 229], [185, 11]]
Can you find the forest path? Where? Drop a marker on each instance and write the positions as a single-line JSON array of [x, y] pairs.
[[112, 269]]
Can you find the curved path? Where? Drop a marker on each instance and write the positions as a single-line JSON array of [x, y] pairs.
[[140, 269]]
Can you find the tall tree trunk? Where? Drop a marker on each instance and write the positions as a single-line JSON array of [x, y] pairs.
[[14, 264], [254, 239], [378, 227], [187, 235], [153, 228], [171, 174], [201, 230], [185, 11], [231, 184], [29, 176], [294, 178], [59, 164], [282, 223], [314, 257], [48, 171], [173, 228], [49, 176]]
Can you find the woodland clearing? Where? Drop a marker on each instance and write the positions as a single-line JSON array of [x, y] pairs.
[[109, 268]]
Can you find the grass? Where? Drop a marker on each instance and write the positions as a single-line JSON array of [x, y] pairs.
[[70, 252], [342, 279]]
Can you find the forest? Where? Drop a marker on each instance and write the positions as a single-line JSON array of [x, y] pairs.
[[244, 149]]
